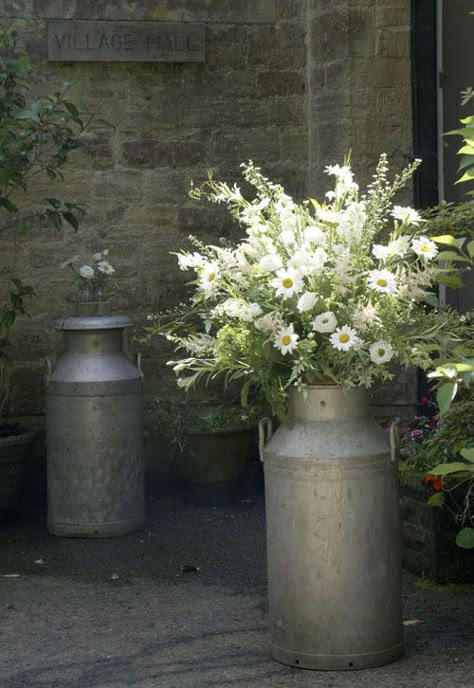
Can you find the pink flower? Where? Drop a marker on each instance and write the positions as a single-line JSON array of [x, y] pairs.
[[416, 434]]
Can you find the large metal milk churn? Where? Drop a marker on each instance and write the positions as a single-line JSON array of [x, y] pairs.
[[94, 432], [333, 534]]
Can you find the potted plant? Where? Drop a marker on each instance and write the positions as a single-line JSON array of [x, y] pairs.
[[215, 443], [316, 303], [437, 503], [16, 442], [37, 136]]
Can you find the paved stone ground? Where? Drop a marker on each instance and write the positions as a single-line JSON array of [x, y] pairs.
[[119, 613]]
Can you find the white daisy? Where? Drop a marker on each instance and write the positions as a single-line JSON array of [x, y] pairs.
[[105, 267], [87, 272], [344, 338], [287, 282], [271, 262], [380, 252], [286, 340], [382, 281], [325, 322], [306, 301], [406, 215], [381, 352], [398, 247], [209, 276], [424, 247]]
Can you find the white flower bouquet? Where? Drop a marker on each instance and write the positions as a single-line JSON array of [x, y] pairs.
[[93, 280], [334, 292]]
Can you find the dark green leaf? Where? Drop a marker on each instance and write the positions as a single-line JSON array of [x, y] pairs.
[[453, 281], [445, 394], [104, 123], [71, 108], [437, 499], [7, 204], [71, 219], [465, 538]]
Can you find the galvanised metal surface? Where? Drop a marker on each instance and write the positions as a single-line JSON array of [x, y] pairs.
[[333, 535], [94, 432]]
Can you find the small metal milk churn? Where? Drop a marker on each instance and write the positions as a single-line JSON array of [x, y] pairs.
[[333, 534], [94, 432]]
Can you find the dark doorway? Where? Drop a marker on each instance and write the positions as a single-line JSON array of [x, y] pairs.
[[457, 74]]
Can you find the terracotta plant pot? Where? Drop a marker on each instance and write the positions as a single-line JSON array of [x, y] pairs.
[[429, 537], [215, 462]]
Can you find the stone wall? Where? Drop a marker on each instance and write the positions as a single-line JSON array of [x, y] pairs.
[[292, 85]]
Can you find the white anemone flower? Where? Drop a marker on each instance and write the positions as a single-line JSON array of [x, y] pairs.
[[306, 301], [286, 340], [87, 272], [406, 215], [287, 282], [425, 248], [381, 352], [344, 338], [325, 322], [382, 281], [271, 262], [105, 267]]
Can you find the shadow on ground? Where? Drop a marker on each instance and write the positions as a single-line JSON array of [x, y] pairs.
[[120, 612]]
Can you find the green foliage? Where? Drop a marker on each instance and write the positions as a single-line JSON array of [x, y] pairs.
[[456, 220], [37, 136], [178, 418], [265, 303]]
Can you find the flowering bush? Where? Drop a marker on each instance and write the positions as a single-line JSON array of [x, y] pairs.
[[331, 292], [92, 281], [442, 447]]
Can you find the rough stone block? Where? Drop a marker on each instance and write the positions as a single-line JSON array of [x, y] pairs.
[[228, 11], [394, 42], [280, 83], [281, 46], [291, 9]]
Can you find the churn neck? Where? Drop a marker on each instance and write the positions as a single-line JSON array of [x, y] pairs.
[[93, 334], [327, 402]]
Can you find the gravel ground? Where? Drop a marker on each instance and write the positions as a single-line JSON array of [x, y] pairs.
[[122, 612]]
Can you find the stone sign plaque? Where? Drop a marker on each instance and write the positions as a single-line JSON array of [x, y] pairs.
[[121, 41]]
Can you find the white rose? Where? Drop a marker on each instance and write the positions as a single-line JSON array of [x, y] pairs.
[[87, 272], [306, 301], [315, 235], [271, 262]]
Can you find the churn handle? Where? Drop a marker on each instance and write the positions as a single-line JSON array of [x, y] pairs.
[[394, 439], [265, 431], [50, 365], [138, 363]]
